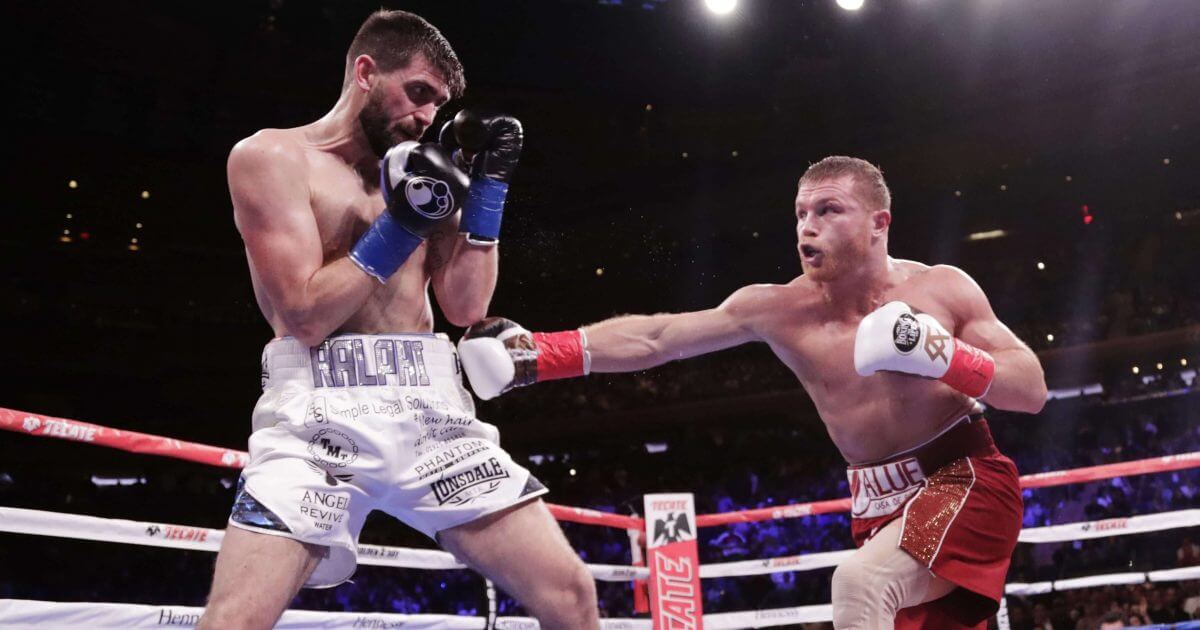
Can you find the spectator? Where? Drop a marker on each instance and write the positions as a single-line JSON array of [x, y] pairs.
[[1188, 554]]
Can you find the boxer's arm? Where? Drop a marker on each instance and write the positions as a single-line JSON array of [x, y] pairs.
[[1019, 383], [463, 275], [268, 181], [637, 342]]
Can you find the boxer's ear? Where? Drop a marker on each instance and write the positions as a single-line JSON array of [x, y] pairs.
[[364, 72], [880, 221]]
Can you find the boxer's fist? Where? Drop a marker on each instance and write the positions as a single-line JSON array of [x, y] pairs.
[[422, 188], [491, 146], [895, 338], [498, 354]]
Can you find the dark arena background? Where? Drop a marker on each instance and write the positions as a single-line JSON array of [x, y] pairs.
[[1049, 149]]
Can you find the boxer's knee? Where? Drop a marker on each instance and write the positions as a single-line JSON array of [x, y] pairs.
[[568, 602], [865, 595]]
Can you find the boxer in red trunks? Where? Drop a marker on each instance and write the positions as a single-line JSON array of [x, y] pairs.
[[896, 355]]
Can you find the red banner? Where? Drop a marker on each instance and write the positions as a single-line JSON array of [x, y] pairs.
[[674, 559]]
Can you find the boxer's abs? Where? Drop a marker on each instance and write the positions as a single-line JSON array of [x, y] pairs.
[[872, 418], [399, 306], [878, 425]]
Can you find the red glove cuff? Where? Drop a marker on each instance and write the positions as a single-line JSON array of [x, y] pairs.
[[560, 355], [971, 370]]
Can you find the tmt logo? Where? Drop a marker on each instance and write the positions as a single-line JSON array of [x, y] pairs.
[[330, 449], [333, 448]]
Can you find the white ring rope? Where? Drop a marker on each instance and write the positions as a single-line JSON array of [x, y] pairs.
[[29, 613], [1035, 535], [79, 526], [26, 613], [37, 522], [1110, 527]]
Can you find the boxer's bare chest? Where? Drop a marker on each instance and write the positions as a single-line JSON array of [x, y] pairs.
[[871, 417], [345, 201]]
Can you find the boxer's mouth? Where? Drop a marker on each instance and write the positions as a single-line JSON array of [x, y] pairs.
[[810, 254], [404, 134]]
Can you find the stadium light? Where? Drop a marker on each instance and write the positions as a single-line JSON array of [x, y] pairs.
[[983, 236], [850, 5], [721, 7]]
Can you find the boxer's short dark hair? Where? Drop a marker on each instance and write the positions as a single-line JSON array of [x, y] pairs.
[[393, 38], [868, 177]]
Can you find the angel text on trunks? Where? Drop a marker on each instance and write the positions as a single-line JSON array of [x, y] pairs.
[[352, 363]]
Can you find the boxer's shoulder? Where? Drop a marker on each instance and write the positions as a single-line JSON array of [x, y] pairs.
[[910, 269], [770, 307], [949, 284], [274, 149], [937, 279], [802, 292], [764, 299]]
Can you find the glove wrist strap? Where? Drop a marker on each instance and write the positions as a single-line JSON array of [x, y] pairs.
[[483, 211], [971, 370], [384, 247], [560, 355]]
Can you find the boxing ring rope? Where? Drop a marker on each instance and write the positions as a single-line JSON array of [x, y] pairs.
[[134, 442], [16, 520], [94, 528]]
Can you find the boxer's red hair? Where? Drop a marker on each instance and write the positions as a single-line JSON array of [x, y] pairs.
[[867, 176]]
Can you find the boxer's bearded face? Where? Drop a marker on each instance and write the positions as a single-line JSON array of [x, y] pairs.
[[401, 105], [833, 229], [375, 125]]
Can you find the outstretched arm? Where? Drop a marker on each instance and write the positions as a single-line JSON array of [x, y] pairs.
[[637, 342], [498, 354]]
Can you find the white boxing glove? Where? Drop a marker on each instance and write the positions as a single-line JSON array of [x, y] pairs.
[[498, 354], [894, 338]]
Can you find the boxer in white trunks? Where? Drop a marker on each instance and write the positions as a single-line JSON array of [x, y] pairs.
[[363, 407]]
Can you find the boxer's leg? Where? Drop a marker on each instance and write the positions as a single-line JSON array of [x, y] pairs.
[[257, 576], [877, 581], [522, 550]]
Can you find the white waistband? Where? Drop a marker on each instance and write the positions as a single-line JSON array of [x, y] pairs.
[[351, 360]]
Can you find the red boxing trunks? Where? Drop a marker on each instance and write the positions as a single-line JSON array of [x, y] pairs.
[[961, 507]]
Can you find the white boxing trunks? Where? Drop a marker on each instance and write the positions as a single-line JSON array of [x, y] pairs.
[[369, 422]]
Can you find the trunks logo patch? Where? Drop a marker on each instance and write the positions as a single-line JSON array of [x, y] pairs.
[[906, 333], [468, 485], [881, 490], [331, 447]]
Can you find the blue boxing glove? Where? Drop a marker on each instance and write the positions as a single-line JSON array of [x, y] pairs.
[[491, 146], [422, 188]]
